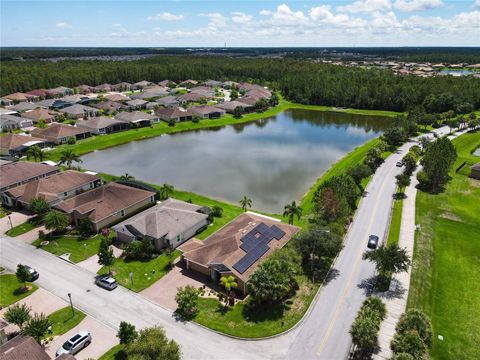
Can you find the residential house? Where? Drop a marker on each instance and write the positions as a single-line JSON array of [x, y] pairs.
[[116, 97], [54, 104], [175, 114], [85, 89], [151, 105], [23, 347], [208, 112], [190, 97], [18, 144], [9, 111], [475, 171], [230, 106], [11, 122], [206, 92], [41, 93], [213, 83], [136, 104], [35, 115], [76, 99], [238, 248], [150, 93], [23, 106], [21, 97], [168, 224], [247, 100], [6, 102], [103, 88], [59, 92], [188, 83], [109, 107], [228, 84], [141, 84], [167, 83], [20, 172], [78, 111], [59, 133], [107, 204], [103, 125], [123, 86], [168, 101], [137, 118], [53, 189]]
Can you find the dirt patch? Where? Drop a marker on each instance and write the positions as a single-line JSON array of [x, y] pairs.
[[450, 216]]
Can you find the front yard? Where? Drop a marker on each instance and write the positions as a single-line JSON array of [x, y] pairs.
[[63, 320], [145, 273], [11, 290], [79, 248], [23, 228]]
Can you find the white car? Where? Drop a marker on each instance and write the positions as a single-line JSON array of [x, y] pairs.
[[76, 343], [106, 282]]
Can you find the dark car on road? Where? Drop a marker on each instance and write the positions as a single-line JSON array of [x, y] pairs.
[[372, 241], [34, 275]]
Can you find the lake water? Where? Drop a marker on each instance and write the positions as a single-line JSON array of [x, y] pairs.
[[273, 161]]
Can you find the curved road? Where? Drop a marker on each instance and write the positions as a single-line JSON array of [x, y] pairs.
[[322, 335]]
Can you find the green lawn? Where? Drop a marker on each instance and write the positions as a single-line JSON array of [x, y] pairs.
[[22, 228], [394, 230], [62, 320], [102, 142], [79, 248], [114, 353], [145, 273], [446, 268], [239, 321], [11, 290]]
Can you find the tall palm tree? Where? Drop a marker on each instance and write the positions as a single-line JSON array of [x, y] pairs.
[[36, 153], [68, 157], [165, 191], [127, 176], [390, 259], [246, 203], [291, 210]]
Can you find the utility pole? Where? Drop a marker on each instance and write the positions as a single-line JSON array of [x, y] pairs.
[[71, 304]]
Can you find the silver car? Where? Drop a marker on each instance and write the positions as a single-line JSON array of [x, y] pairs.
[[106, 282], [75, 343]]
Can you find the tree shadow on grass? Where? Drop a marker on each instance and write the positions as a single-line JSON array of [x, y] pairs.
[[257, 313], [21, 290]]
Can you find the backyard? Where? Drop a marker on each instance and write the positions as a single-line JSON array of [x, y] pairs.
[[445, 270]]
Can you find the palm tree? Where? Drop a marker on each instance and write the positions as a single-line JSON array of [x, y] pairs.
[[291, 210], [35, 152], [229, 283], [245, 203], [68, 156], [390, 259], [165, 191], [56, 221], [127, 176]]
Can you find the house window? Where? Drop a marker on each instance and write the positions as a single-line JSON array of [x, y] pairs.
[[152, 198], [122, 213], [65, 193], [178, 238]]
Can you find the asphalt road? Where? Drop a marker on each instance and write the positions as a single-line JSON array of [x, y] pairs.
[[322, 335]]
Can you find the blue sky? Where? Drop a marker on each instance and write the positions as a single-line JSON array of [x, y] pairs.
[[241, 23]]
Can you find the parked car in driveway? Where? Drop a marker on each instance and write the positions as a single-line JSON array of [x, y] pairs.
[[372, 241], [106, 282], [34, 275], [76, 343]]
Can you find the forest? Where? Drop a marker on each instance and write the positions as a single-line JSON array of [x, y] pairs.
[[299, 81]]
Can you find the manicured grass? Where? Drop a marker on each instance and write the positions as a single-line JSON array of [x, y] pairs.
[[114, 353], [63, 320], [22, 228], [78, 247], [145, 273], [239, 321], [445, 272], [394, 230], [103, 142], [11, 290], [3, 212]]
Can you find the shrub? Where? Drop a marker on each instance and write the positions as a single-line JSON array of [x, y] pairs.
[[172, 122], [415, 319], [71, 140], [409, 342], [187, 298], [217, 211], [152, 343], [126, 333]]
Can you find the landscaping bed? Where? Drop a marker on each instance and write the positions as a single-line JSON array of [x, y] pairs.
[[11, 290]]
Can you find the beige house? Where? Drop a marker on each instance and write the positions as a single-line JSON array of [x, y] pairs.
[[106, 205], [238, 248], [58, 133]]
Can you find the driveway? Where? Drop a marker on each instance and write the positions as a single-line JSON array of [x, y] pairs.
[[16, 218], [164, 290], [92, 264], [103, 339], [32, 235]]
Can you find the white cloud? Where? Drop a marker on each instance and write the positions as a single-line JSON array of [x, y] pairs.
[[166, 16], [63, 25], [366, 6], [323, 14], [268, 12], [476, 4], [417, 5], [217, 20], [285, 14], [241, 18]]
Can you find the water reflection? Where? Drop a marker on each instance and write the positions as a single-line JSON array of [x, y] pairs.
[[273, 161]]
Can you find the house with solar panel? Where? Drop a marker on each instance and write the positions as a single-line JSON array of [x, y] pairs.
[[238, 248]]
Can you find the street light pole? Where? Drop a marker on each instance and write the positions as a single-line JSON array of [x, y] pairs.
[[71, 304]]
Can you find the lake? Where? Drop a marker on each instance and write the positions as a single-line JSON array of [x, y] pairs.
[[273, 161]]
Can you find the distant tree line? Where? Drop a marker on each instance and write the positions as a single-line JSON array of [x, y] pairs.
[[299, 81]]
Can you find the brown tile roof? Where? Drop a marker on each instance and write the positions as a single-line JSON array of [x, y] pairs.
[[18, 96], [134, 116], [104, 201], [224, 246], [190, 97], [22, 347], [99, 122], [108, 105], [52, 187], [59, 131], [117, 97], [206, 109], [231, 105], [13, 141], [38, 92], [172, 113], [19, 171], [249, 100], [41, 113]]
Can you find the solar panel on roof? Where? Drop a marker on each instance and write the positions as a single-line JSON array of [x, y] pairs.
[[250, 258]]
